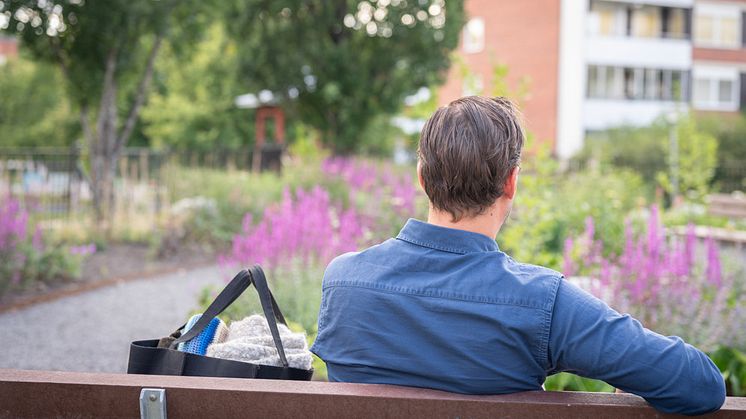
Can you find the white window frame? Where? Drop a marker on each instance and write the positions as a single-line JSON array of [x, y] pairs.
[[714, 75], [718, 12], [473, 36], [620, 17]]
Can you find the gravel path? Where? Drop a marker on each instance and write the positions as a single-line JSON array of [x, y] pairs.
[[92, 331]]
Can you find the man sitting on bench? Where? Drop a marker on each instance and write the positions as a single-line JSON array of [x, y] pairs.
[[440, 306]]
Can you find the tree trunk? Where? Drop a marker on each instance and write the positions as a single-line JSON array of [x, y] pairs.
[[102, 148], [107, 143]]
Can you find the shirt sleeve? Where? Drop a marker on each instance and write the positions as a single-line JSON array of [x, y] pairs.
[[592, 340]]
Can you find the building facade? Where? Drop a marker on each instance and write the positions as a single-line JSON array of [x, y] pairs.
[[598, 64], [8, 48]]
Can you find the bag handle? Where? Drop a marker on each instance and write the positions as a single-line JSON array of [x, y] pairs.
[[239, 284], [270, 308]]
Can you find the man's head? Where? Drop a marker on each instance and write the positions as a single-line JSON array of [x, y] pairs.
[[469, 154]]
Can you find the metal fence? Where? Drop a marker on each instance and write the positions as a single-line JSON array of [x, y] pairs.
[[48, 180], [52, 182]]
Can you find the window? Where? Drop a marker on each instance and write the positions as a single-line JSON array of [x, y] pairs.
[[474, 36], [702, 90], [679, 85], [607, 19], [652, 84], [675, 24], [605, 82], [716, 90], [717, 27], [594, 86], [725, 91], [626, 83], [646, 21]]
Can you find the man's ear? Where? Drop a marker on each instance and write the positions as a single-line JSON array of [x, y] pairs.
[[511, 184], [419, 174]]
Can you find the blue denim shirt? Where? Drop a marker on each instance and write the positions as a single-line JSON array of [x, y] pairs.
[[446, 309]]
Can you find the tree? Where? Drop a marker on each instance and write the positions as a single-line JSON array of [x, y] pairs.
[[192, 104], [34, 110], [337, 64], [106, 51], [695, 160]]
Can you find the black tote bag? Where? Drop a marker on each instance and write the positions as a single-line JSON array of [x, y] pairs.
[[146, 357]]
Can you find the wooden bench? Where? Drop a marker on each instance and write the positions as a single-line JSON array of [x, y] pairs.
[[80, 395], [727, 205]]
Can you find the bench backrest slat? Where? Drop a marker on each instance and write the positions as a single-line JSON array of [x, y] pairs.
[[72, 394]]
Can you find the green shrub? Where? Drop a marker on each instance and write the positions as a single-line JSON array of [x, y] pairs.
[[551, 205], [642, 150], [570, 382], [730, 173], [732, 364], [25, 259]]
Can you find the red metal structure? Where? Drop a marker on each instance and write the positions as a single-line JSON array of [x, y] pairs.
[[263, 113]]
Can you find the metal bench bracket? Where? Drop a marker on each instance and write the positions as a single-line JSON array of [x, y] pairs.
[[153, 403]]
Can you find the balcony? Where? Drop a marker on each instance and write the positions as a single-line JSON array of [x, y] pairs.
[[601, 114], [639, 52]]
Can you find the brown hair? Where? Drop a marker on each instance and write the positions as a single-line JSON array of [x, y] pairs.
[[467, 151]]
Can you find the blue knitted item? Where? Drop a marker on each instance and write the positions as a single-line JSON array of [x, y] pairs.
[[198, 345]]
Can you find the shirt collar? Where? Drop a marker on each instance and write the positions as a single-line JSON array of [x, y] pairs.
[[446, 239]]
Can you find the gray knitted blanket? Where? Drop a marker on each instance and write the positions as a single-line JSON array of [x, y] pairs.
[[249, 340]]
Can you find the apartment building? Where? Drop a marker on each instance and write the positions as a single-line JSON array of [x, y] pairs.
[[597, 64], [719, 68]]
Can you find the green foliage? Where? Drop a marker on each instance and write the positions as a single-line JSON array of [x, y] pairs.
[[697, 213], [79, 36], [532, 234], [730, 174], [27, 86], [500, 86], [550, 205], [379, 137], [570, 382], [344, 59], [28, 267], [306, 147], [638, 149], [192, 105], [233, 194], [499, 81], [732, 363], [54, 263], [697, 160], [647, 151], [297, 289]]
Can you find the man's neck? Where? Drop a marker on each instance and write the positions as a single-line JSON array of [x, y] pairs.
[[487, 224]]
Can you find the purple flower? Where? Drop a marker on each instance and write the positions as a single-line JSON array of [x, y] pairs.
[[307, 226], [568, 265], [83, 250], [714, 276], [665, 283]]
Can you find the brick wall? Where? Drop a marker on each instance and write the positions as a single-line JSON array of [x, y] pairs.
[[8, 47], [525, 36]]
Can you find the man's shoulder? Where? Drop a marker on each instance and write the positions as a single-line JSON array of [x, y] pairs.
[[530, 271], [483, 275], [535, 277], [350, 262]]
